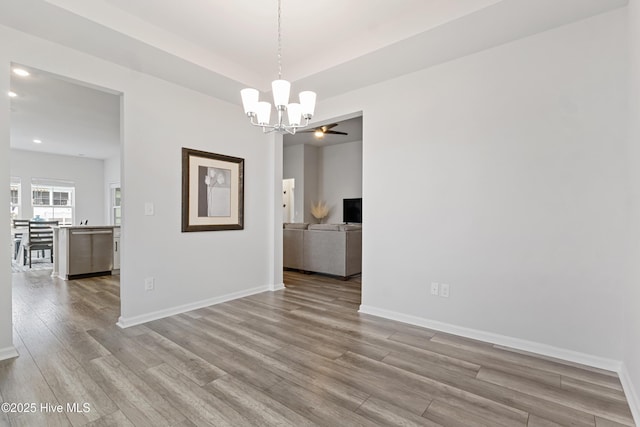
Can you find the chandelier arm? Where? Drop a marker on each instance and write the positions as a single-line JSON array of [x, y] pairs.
[[268, 128], [261, 125], [306, 123], [252, 120]]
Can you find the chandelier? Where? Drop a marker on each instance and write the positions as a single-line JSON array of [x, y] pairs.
[[259, 112]]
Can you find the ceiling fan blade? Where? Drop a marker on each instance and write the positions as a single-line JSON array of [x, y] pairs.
[[325, 128]]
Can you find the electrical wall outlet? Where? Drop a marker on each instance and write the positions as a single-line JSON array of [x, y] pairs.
[[149, 209], [444, 290], [149, 284], [434, 288]]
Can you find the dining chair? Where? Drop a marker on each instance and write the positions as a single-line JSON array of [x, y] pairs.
[[40, 238], [19, 224]]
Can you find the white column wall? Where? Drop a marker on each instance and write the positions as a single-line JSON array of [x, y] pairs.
[[631, 372], [6, 328]]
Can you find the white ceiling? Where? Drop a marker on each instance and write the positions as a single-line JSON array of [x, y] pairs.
[[220, 46], [217, 47], [316, 34], [69, 118], [353, 127]]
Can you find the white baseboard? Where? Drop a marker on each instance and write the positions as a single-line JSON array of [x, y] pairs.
[[633, 395], [278, 287], [503, 340], [8, 353], [126, 322]]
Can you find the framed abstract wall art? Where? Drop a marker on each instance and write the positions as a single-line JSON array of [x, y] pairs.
[[212, 191]]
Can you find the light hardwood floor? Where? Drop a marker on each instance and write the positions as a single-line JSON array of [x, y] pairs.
[[301, 356]]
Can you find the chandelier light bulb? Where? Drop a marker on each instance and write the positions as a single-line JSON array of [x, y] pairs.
[[294, 111], [264, 112], [308, 103], [281, 89], [250, 100]]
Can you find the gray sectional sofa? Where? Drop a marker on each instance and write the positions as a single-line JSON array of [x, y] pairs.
[[334, 249]]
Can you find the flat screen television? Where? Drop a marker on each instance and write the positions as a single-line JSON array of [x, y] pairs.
[[352, 210]]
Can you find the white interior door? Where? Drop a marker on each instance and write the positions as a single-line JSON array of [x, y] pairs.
[[288, 212]]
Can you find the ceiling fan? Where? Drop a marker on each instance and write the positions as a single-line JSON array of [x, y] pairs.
[[321, 131]]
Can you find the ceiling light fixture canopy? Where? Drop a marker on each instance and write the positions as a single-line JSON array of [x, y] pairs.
[[259, 112]]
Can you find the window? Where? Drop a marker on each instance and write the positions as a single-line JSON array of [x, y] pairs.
[[53, 200], [116, 204], [15, 198], [61, 198], [41, 197]]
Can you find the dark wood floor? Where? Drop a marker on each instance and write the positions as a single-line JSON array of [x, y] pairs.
[[302, 356]]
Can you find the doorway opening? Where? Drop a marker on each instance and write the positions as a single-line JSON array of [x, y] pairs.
[[288, 200], [325, 165], [65, 167]]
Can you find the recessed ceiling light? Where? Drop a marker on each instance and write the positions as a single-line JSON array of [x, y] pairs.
[[37, 141], [12, 94], [21, 72]]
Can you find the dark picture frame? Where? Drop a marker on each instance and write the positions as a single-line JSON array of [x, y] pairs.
[[212, 191]]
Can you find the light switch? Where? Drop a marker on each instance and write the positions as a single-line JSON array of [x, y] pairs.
[[434, 288], [148, 208]]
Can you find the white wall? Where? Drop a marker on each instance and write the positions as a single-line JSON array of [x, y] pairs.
[[509, 175], [329, 174], [340, 176], [311, 184], [111, 176], [87, 174], [159, 118], [188, 267], [632, 300]]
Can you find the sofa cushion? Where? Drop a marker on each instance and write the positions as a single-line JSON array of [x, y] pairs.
[[326, 227], [296, 225], [349, 227]]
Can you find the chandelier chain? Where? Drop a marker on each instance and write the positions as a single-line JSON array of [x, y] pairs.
[[259, 113], [279, 41]]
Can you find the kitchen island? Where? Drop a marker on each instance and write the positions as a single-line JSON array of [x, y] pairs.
[[85, 251]]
